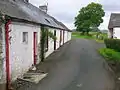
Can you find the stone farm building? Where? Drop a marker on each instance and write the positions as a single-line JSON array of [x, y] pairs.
[[21, 35]]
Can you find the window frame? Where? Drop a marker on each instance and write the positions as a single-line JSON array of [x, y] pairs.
[[25, 37]]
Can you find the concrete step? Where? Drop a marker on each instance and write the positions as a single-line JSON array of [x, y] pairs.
[[33, 77]]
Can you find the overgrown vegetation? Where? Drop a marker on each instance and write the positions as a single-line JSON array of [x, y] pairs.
[[45, 33], [42, 42], [3, 18], [110, 54], [113, 44]]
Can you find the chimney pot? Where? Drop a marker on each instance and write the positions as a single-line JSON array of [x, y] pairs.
[[44, 8]]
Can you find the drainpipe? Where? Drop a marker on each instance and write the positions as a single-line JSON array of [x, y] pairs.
[[8, 79]]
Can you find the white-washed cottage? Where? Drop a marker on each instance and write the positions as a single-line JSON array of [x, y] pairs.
[[21, 37], [114, 26]]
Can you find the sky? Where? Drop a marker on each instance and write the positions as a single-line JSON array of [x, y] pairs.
[[66, 10]]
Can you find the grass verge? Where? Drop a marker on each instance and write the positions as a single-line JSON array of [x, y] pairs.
[[78, 35], [99, 41], [110, 54]]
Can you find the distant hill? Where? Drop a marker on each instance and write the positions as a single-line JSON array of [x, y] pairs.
[[104, 31], [73, 30]]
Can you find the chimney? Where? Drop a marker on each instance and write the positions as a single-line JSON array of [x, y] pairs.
[[44, 8]]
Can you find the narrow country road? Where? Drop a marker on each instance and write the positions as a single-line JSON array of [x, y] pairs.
[[77, 66]]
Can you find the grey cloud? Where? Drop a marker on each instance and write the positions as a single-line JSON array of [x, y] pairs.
[[112, 7], [66, 10], [66, 17]]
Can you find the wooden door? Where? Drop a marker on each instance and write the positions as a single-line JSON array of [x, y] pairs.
[[55, 40]]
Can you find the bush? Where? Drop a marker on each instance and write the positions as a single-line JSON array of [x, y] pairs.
[[110, 54], [101, 36], [113, 44]]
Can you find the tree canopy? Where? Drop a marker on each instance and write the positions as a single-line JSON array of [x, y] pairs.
[[89, 16]]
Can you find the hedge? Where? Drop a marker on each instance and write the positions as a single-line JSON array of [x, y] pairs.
[[113, 44]]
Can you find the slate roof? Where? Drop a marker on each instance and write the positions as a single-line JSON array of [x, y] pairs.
[[26, 11], [114, 20], [60, 24]]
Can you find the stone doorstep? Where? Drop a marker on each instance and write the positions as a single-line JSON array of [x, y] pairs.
[[2, 86], [33, 77]]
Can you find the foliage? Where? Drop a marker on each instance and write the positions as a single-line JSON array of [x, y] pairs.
[[51, 35], [88, 17], [95, 29], [113, 44], [43, 36], [44, 33], [110, 54], [101, 36], [99, 41], [3, 18]]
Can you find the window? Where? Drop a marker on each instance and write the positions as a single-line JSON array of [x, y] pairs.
[[47, 20], [25, 37]]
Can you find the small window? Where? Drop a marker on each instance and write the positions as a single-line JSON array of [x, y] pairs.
[[47, 20], [25, 37]]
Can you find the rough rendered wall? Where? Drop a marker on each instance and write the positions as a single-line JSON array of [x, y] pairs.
[[21, 54], [3, 63]]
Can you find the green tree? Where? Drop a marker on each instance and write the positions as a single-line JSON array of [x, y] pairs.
[[88, 17]]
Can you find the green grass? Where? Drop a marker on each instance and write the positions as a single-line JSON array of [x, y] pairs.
[[78, 35], [110, 54], [90, 36], [82, 36], [99, 41]]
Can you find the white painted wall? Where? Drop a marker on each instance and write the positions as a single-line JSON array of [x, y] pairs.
[[65, 36], [21, 54], [51, 41], [58, 38], [69, 36], [62, 38], [116, 33], [50, 44]]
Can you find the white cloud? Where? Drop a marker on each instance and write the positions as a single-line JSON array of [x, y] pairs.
[[66, 10]]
